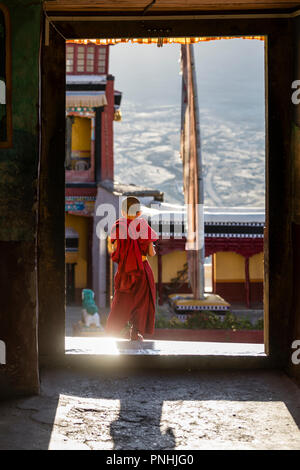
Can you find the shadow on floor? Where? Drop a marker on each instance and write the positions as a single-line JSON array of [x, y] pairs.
[[155, 411]]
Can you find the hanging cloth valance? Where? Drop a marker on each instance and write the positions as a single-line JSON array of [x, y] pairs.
[[85, 99], [159, 41]]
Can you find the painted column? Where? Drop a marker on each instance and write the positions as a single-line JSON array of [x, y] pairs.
[[247, 282], [159, 277], [107, 143]]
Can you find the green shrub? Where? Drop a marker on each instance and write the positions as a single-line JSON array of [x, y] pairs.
[[208, 320], [161, 322], [259, 324]]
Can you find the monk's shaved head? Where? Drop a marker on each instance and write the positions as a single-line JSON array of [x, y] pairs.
[[131, 206]]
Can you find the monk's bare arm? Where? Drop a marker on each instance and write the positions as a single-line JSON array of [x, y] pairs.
[[151, 250]]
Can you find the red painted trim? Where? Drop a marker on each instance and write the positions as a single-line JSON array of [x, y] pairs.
[[107, 60], [172, 244], [81, 192], [243, 246], [75, 61], [96, 59], [246, 246], [97, 49], [234, 292], [223, 336], [84, 176]]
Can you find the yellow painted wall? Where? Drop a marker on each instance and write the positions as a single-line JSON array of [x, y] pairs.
[[174, 262], [171, 264], [153, 263], [80, 224], [81, 134], [208, 277], [230, 266], [256, 267]]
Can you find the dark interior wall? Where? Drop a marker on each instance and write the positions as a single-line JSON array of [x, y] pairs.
[[18, 197], [51, 208], [295, 317], [19, 173], [278, 260]]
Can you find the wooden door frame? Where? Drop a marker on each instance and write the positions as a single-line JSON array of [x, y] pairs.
[[278, 73]]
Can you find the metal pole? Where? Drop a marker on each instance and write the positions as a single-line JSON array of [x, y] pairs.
[[200, 206]]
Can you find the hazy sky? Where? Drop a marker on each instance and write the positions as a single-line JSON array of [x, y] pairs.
[[230, 78], [227, 70]]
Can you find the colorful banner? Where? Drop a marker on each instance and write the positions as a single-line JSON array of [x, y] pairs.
[[80, 205]]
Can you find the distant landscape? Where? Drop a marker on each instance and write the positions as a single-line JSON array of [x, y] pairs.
[[231, 99]]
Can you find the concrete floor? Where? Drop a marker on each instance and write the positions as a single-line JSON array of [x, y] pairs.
[[203, 410], [84, 409]]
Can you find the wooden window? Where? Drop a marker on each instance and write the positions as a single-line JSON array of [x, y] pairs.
[[86, 59], [5, 80], [70, 59], [90, 60], [80, 58], [102, 60]]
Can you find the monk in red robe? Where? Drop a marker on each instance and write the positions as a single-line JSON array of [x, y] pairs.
[[134, 297]]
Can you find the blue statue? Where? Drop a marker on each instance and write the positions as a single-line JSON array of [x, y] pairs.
[[90, 315]]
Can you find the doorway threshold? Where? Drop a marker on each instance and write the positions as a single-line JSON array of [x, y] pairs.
[[115, 355], [117, 346]]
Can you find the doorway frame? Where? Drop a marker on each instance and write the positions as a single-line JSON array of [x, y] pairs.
[[278, 77]]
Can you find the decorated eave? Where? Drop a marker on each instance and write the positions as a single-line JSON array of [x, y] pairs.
[[85, 99], [234, 222], [86, 92], [184, 303], [80, 201], [171, 221], [80, 205]]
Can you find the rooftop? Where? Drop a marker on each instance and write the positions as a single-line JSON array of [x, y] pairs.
[[212, 215], [120, 189], [86, 79]]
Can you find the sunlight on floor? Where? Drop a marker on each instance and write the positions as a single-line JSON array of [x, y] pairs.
[[225, 424], [84, 423], [83, 420], [113, 346]]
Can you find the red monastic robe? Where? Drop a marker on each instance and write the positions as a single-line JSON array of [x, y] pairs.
[[134, 296]]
